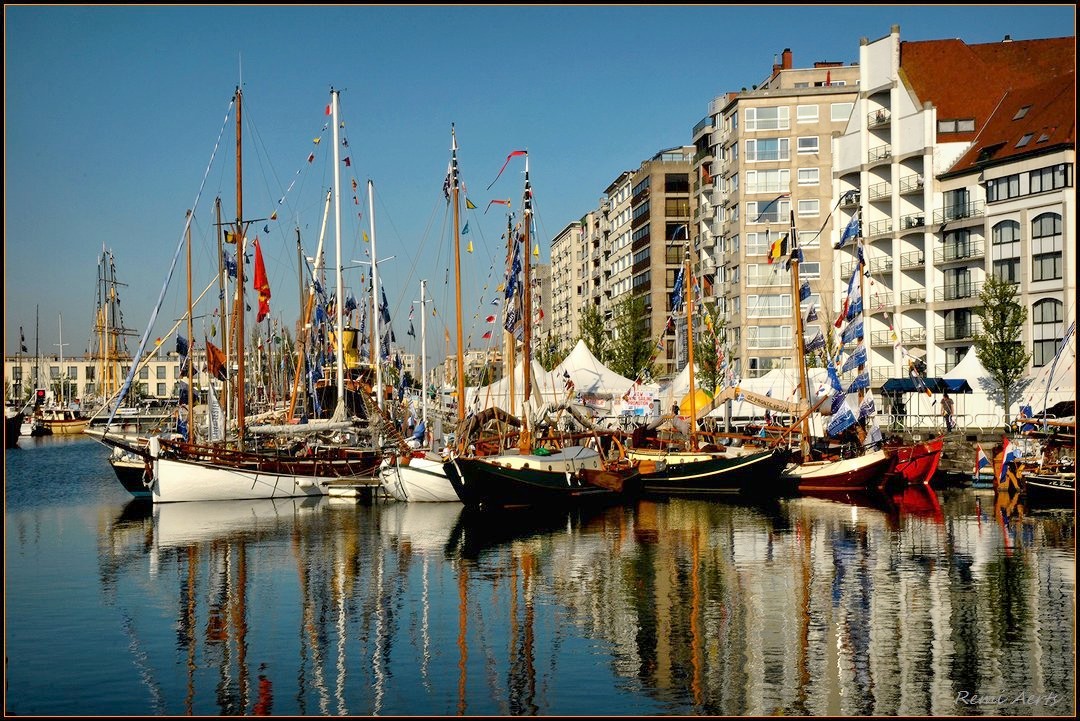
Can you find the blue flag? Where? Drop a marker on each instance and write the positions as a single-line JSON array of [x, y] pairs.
[[677, 291], [851, 230]]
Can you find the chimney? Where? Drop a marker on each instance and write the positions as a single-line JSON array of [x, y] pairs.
[[1008, 39], [786, 59], [775, 64]]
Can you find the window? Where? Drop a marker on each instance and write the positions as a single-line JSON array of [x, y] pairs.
[[806, 113], [808, 145], [809, 208], [809, 239], [176, 371], [768, 336], [161, 373], [1046, 247], [1003, 188], [1004, 252], [1052, 178], [767, 118], [1047, 330], [641, 210], [768, 181], [161, 390], [965, 125], [73, 373], [768, 306], [761, 274], [767, 149], [757, 243], [772, 211], [144, 372], [809, 271], [1021, 112], [676, 183], [1024, 140], [676, 207], [809, 176], [840, 111]]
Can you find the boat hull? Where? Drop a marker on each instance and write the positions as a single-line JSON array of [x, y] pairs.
[[177, 480], [131, 474], [854, 474], [12, 429], [916, 463], [1050, 490], [703, 474], [486, 484], [66, 427], [421, 480]]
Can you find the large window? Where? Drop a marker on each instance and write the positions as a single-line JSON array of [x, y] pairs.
[[809, 176], [768, 118], [757, 243], [1046, 247], [676, 183], [764, 149], [839, 112], [809, 208], [676, 207], [1052, 178], [771, 211], [1047, 329], [1005, 251], [1003, 188], [768, 181], [768, 336], [768, 306], [806, 113], [808, 145]]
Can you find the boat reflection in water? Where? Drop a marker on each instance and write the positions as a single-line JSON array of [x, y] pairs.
[[894, 605]]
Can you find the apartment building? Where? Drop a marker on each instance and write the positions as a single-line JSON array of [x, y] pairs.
[[769, 151], [959, 163]]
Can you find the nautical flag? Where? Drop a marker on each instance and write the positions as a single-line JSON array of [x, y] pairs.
[[215, 361], [311, 158], [348, 161], [490, 319], [852, 331], [468, 248], [851, 230], [215, 419], [446, 181], [499, 202], [512, 154], [811, 315], [834, 379], [841, 421], [262, 285], [350, 303], [230, 237], [1011, 454], [804, 290], [867, 407], [494, 301], [856, 359], [327, 109], [384, 308], [469, 205], [981, 459], [778, 249], [487, 335], [182, 391], [847, 299], [818, 341], [677, 291], [22, 340], [861, 383], [411, 331], [465, 230]]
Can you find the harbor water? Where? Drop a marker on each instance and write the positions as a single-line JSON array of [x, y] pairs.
[[948, 602]]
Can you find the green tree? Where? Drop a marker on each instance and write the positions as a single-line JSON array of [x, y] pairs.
[[591, 324], [631, 352], [708, 349], [998, 345], [550, 352]]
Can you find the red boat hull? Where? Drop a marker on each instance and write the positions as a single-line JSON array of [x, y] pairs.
[[916, 463]]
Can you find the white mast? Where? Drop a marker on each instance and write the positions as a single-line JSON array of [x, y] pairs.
[[339, 410], [377, 360], [423, 353], [63, 380]]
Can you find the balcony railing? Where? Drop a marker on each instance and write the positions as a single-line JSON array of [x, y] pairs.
[[957, 291], [975, 209], [911, 184], [880, 337], [913, 335], [880, 375], [877, 191], [881, 152], [878, 266], [913, 297], [912, 259], [953, 332], [850, 200], [878, 118], [913, 220], [879, 227], [970, 250]]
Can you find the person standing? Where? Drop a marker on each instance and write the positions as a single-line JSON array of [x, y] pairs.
[[948, 410]]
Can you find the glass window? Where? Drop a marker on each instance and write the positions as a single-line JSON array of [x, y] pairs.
[[840, 111], [809, 271], [809, 208], [768, 118], [1052, 178], [768, 306], [808, 144], [767, 149], [1046, 247], [768, 336], [809, 176], [161, 372], [144, 372], [768, 181], [773, 211], [806, 113], [161, 390], [1047, 329], [1003, 188], [809, 239], [1024, 140], [757, 243]]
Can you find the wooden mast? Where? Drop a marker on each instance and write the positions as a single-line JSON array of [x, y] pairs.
[[241, 241], [456, 190], [800, 351], [687, 289], [526, 439], [191, 342]]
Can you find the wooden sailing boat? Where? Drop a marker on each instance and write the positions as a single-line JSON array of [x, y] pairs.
[[538, 476], [60, 418], [696, 470], [820, 470]]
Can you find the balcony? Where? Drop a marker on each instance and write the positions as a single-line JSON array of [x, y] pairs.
[[957, 332], [879, 191], [879, 302], [913, 335], [881, 337], [911, 184], [913, 297], [881, 152], [878, 376], [878, 118], [879, 227], [951, 252], [878, 266], [913, 220], [850, 199], [958, 291], [976, 209], [912, 259]]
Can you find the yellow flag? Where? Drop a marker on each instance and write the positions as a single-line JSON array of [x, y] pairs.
[[316, 140], [364, 234], [469, 248], [536, 251], [469, 204]]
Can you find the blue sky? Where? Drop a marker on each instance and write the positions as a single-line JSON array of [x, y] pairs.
[[112, 114]]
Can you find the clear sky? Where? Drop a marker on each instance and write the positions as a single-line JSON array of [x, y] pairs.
[[112, 115]]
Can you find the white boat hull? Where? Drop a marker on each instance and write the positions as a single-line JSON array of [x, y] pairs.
[[422, 480], [180, 480]]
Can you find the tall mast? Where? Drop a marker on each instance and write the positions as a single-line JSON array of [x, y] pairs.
[[526, 340], [63, 375], [800, 351], [223, 284], [191, 342], [375, 289], [339, 410], [456, 190], [687, 283], [241, 241], [423, 351]]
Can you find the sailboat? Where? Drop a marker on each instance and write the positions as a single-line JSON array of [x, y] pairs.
[[697, 470], [420, 475], [59, 418], [534, 474], [829, 468], [183, 470]]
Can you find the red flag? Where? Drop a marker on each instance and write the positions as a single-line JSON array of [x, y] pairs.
[[215, 361], [311, 157], [327, 109], [348, 162], [262, 285], [491, 319], [706, 178], [499, 202], [512, 154], [487, 335]]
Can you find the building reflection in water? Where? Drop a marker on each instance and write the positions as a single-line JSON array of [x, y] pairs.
[[883, 605]]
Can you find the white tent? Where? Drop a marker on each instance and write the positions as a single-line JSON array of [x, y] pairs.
[[498, 393], [598, 386], [978, 407], [1046, 390]]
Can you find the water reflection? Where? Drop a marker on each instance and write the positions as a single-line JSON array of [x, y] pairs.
[[897, 604]]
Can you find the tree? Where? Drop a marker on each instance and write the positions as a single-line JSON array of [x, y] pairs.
[[709, 349], [550, 352], [592, 331], [631, 352], [999, 346]]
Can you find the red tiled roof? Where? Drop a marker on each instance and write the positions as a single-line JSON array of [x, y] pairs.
[[989, 82]]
